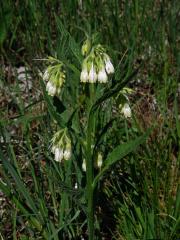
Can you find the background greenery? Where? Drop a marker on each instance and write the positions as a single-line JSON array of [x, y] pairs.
[[140, 197]]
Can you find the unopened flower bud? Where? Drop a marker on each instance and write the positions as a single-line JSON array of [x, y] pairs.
[[84, 165], [86, 47], [58, 90], [67, 152], [99, 160], [46, 75]]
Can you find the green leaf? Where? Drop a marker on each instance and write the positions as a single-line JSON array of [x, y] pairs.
[[7, 191], [21, 187], [176, 116], [176, 213], [6, 16], [119, 152], [65, 225], [75, 49]]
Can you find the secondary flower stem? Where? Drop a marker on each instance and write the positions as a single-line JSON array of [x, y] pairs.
[[90, 198]]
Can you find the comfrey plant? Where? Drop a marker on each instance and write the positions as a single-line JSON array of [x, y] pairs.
[[80, 129]]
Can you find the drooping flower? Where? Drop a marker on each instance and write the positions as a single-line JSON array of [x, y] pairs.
[[51, 89], [84, 75], [58, 154], [102, 76], [92, 74], [126, 110], [109, 66]]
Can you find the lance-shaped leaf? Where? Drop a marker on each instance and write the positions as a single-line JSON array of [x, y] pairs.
[[119, 152]]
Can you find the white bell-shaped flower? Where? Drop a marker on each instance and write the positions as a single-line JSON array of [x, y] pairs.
[[126, 110], [84, 75], [109, 66], [92, 74], [58, 154], [51, 89], [102, 76]]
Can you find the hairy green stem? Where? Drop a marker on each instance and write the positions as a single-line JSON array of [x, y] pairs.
[[90, 170]]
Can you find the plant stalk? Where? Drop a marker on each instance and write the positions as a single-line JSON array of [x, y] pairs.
[[90, 170]]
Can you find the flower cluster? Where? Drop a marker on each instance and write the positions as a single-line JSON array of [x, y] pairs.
[[123, 102], [61, 145], [55, 76], [96, 66]]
